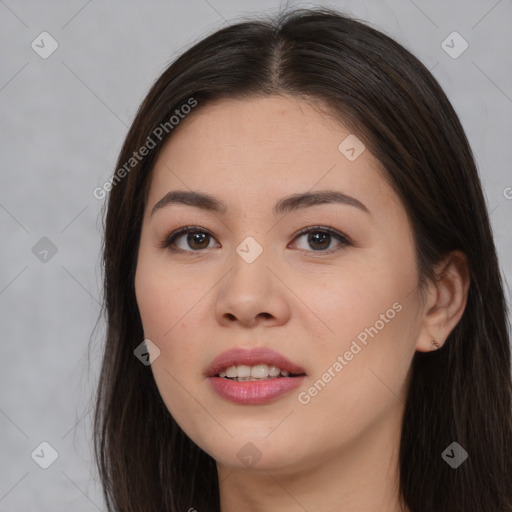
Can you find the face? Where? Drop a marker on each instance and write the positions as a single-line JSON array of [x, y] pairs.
[[339, 300]]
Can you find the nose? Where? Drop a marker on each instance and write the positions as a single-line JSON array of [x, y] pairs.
[[251, 294]]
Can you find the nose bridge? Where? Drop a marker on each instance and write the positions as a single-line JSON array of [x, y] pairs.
[[249, 266], [250, 288]]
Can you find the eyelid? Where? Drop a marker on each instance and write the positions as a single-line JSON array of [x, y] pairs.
[[171, 237], [343, 240], [326, 229]]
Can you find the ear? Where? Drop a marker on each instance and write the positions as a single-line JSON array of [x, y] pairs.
[[446, 301]]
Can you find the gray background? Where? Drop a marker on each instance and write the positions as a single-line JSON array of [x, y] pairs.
[[63, 122]]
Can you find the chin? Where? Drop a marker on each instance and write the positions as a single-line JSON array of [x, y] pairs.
[[254, 452]]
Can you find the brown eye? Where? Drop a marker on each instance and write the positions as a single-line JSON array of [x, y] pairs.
[[319, 239], [196, 240]]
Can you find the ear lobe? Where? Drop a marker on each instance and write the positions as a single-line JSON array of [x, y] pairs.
[[446, 302]]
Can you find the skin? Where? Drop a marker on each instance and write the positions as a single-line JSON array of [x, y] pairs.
[[340, 450]]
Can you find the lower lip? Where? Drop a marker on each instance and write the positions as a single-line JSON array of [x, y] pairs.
[[254, 392]]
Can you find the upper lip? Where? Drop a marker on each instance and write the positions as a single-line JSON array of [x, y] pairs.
[[251, 357]]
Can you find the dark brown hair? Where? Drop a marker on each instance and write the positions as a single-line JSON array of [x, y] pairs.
[[461, 392]]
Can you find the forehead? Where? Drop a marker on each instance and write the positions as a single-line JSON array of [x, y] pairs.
[[265, 148]]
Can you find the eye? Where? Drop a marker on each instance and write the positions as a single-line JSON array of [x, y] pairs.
[[319, 238], [197, 239]]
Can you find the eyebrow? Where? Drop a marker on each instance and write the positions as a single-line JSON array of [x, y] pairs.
[[293, 202]]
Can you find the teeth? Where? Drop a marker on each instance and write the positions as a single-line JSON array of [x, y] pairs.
[[274, 371], [256, 372], [259, 371]]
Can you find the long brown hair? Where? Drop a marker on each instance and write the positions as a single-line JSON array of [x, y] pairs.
[[461, 393]]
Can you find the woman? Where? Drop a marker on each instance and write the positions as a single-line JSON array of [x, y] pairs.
[[297, 231]]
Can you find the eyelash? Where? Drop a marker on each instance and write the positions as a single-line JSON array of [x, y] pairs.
[[170, 239]]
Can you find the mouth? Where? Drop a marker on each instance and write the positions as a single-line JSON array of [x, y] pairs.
[[245, 373], [254, 376], [260, 363]]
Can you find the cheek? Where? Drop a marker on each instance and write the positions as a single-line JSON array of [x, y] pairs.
[[164, 296], [347, 397], [167, 309], [346, 304], [372, 318], [173, 307]]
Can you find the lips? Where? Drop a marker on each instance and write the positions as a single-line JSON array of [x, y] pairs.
[[252, 357]]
